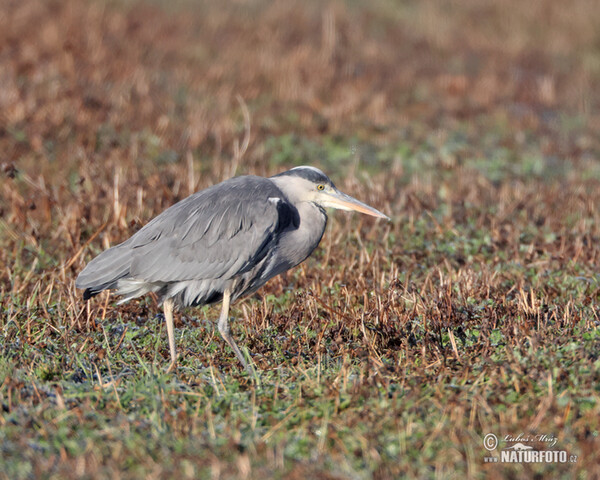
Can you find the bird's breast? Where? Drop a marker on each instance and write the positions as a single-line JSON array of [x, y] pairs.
[[299, 239]]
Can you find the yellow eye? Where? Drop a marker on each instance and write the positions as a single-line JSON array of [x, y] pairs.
[[320, 187]]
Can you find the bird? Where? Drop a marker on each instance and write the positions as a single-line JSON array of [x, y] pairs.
[[221, 244]]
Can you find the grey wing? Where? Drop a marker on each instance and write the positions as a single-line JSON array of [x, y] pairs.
[[214, 234], [210, 238]]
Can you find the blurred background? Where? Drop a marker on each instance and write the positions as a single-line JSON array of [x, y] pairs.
[[178, 95]]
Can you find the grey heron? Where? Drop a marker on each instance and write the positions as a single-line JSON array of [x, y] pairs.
[[221, 244]]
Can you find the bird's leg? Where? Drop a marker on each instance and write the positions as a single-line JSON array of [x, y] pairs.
[[168, 309], [224, 330]]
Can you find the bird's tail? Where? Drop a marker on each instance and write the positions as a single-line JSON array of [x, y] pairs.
[[104, 271]]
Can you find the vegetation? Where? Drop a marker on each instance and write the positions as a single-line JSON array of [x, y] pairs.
[[396, 348]]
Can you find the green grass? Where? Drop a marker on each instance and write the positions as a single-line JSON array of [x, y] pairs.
[[340, 415], [472, 336]]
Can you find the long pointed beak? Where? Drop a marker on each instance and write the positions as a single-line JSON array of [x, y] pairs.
[[341, 201]]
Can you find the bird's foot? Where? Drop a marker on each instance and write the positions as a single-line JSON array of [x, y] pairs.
[[172, 366]]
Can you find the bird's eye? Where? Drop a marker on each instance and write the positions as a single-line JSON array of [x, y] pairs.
[[321, 187]]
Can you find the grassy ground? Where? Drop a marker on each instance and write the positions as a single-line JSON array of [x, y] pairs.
[[397, 346]]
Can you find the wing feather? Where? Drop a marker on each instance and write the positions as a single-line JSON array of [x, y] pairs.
[[216, 233]]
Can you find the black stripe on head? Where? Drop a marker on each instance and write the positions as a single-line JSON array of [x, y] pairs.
[[311, 174]]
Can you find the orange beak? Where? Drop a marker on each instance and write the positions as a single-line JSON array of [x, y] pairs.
[[341, 201]]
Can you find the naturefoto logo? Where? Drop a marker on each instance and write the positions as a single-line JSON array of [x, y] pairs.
[[519, 450]]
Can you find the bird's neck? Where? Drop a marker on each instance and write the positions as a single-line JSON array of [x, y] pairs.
[[299, 242]]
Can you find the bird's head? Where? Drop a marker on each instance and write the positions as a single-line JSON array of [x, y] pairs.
[[309, 184]]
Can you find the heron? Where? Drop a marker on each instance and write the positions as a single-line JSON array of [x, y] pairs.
[[221, 244]]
